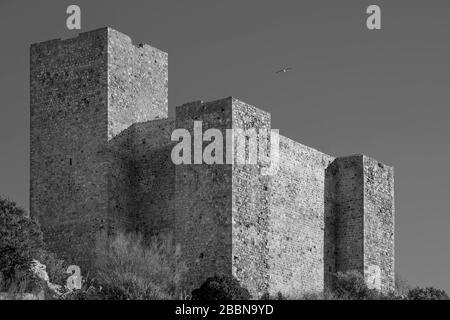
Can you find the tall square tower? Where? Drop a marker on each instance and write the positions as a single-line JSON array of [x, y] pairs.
[[84, 92]]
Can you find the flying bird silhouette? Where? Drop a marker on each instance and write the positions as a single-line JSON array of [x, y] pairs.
[[284, 70]]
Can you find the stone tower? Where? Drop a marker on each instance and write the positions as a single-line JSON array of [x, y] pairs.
[[84, 92], [359, 225], [101, 144]]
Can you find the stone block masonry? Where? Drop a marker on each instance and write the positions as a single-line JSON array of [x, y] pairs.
[[69, 129], [359, 231], [84, 92], [101, 162]]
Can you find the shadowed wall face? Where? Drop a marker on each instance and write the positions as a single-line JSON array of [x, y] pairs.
[[68, 89], [349, 214], [138, 149], [203, 198], [359, 220]]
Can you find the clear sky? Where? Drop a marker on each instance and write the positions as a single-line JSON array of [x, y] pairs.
[[382, 93]]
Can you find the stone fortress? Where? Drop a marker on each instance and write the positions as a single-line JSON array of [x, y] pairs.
[[101, 162]]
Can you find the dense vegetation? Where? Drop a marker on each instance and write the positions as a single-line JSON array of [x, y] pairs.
[[127, 268], [221, 287]]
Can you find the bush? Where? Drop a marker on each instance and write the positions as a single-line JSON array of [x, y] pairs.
[[352, 286], [128, 269], [56, 268], [326, 295], [267, 296], [90, 290], [21, 241], [221, 287], [429, 293]]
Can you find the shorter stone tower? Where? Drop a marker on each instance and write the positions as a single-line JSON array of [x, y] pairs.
[[101, 144], [359, 223]]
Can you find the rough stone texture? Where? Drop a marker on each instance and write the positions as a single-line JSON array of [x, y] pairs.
[[344, 230], [379, 212], [141, 182], [203, 198], [250, 208], [360, 219], [101, 162], [68, 98], [83, 92], [137, 83], [297, 220]]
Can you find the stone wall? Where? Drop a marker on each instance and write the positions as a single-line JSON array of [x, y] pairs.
[[138, 147], [379, 212], [142, 179], [153, 177], [120, 181], [68, 105], [203, 198], [137, 83], [360, 220], [250, 202], [84, 92], [297, 220], [347, 212]]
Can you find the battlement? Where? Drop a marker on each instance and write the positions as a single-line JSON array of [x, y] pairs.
[[101, 162], [93, 34]]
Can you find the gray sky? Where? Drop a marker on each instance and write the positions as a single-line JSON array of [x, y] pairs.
[[382, 93]]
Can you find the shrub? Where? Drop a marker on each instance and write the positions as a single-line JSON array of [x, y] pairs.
[[267, 296], [129, 269], [351, 286], [56, 268], [221, 287], [21, 241], [23, 281], [90, 290], [429, 293], [316, 296]]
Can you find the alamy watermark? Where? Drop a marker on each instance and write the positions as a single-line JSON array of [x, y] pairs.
[[242, 147], [373, 22], [73, 22]]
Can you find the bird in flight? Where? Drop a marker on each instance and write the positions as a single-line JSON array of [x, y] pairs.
[[284, 70]]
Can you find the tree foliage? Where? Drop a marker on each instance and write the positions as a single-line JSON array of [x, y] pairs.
[[21, 239], [428, 293], [221, 287], [351, 286]]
